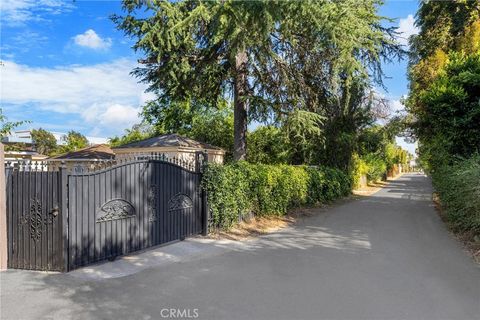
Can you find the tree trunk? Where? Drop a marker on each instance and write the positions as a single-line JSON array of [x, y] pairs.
[[240, 107]]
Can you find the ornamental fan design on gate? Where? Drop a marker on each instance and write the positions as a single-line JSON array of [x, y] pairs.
[[34, 219], [180, 202], [115, 209]]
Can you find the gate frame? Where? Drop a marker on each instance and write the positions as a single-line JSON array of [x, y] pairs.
[[63, 197], [63, 189], [3, 213]]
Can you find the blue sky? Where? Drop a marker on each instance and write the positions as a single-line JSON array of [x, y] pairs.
[[65, 66]]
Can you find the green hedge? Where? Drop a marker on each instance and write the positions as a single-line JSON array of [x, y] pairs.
[[458, 186], [241, 189]]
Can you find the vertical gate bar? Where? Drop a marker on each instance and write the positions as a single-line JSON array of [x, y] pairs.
[[91, 217], [15, 219], [27, 184], [131, 223], [108, 184], [172, 213], [118, 189], [21, 198], [136, 173], [49, 196], [8, 199], [38, 243], [85, 234], [98, 229], [79, 225], [103, 226], [163, 202], [72, 220], [55, 223], [123, 222], [183, 214], [33, 185], [25, 230], [128, 196], [171, 218], [44, 187], [120, 221], [144, 179], [64, 219], [145, 176], [156, 223]]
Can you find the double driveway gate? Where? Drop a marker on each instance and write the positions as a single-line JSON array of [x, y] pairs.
[[62, 219]]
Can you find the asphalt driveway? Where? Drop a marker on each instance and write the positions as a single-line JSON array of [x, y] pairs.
[[387, 256]]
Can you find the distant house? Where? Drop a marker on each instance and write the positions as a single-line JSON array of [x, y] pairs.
[[171, 145], [95, 152], [87, 158]]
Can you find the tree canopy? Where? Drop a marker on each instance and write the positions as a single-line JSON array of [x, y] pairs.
[[269, 57], [73, 141], [445, 82], [44, 142]]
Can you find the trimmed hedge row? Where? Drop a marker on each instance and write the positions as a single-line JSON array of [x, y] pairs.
[[458, 186], [242, 189]]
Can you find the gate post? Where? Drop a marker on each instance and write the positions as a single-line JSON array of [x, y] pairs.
[[64, 215], [3, 213]]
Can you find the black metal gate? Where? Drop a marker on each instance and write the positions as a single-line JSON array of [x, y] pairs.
[[63, 219], [35, 220]]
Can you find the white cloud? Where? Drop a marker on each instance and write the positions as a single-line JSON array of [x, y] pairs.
[[108, 114], [406, 28], [92, 40], [396, 106], [103, 96], [17, 12]]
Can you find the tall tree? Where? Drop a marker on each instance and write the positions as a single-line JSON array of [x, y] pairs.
[[44, 142], [74, 141], [255, 51], [444, 81]]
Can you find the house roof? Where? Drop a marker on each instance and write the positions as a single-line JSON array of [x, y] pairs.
[[168, 140], [95, 152]]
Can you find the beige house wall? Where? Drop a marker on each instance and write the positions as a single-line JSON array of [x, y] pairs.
[[3, 213]]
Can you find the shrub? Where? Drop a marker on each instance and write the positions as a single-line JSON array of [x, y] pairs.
[[228, 197], [241, 189], [359, 169], [458, 186], [376, 167]]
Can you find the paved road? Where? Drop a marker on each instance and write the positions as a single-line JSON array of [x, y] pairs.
[[387, 256]]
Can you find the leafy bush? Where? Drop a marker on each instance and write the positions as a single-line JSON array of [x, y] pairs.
[[240, 189], [267, 145], [458, 186], [377, 167], [359, 169]]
